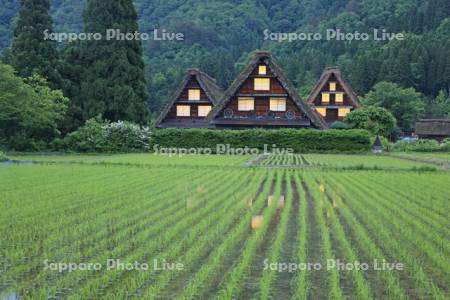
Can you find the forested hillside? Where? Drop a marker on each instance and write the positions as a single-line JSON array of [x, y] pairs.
[[220, 34]]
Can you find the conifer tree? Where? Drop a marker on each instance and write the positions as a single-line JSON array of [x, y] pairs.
[[31, 52], [113, 82]]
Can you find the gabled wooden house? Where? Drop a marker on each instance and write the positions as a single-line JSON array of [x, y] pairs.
[[262, 96], [192, 102], [332, 96]]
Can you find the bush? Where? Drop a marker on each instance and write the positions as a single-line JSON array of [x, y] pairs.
[[377, 120], [3, 156], [101, 136], [339, 125], [300, 140], [422, 145], [446, 144]]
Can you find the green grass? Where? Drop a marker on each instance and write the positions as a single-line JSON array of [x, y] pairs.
[[144, 159], [438, 157], [88, 213]]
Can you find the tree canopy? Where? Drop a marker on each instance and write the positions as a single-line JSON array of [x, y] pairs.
[[377, 120], [219, 33], [405, 104], [31, 52], [30, 111]]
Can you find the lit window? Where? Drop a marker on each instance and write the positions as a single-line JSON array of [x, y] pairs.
[[343, 112], [322, 111], [262, 84], [277, 104], [262, 70], [325, 98], [194, 94], [339, 98], [246, 104], [183, 111], [204, 110], [332, 86]]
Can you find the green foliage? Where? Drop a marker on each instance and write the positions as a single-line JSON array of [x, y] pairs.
[[339, 125], [106, 77], [440, 106], [30, 111], [300, 140], [377, 120], [406, 105], [3, 157], [8, 11], [229, 30], [31, 52], [102, 136], [422, 145]]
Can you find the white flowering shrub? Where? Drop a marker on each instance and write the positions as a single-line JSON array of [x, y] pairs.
[[101, 136], [126, 136]]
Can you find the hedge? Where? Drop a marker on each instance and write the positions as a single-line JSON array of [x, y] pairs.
[[300, 140]]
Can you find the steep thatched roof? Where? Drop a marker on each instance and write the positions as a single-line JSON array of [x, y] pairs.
[[207, 83], [267, 58], [436, 127], [324, 79]]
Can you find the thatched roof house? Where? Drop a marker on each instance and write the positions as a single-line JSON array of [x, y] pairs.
[[438, 129], [262, 96], [192, 102], [332, 96]]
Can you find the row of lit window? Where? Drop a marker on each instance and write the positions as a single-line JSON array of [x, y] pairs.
[[248, 104], [185, 110], [342, 112], [339, 98]]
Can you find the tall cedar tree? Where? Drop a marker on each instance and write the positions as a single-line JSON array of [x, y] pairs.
[[30, 51], [113, 82]]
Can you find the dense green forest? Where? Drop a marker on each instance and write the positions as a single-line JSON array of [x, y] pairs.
[[220, 34]]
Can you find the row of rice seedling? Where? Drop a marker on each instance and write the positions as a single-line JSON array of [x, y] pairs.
[[232, 284], [109, 210], [91, 213], [81, 238], [147, 247], [286, 160], [421, 218], [389, 286], [390, 238], [317, 195], [203, 279], [407, 222], [426, 193], [301, 284], [150, 218], [350, 255], [193, 258], [26, 235], [267, 279]]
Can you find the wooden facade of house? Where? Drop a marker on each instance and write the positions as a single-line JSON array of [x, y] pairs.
[[262, 96], [192, 103], [438, 129], [332, 97]]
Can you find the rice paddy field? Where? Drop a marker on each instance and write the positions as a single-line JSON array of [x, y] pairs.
[[142, 226]]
